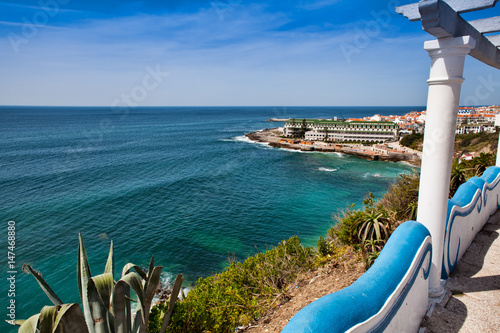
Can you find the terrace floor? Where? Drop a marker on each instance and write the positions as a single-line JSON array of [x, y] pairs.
[[472, 299]]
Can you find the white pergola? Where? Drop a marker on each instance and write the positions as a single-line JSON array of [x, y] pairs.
[[456, 38]]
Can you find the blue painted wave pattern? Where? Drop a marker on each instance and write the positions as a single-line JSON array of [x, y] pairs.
[[179, 183], [468, 211]]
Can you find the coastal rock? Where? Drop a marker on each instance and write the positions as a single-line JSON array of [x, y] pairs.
[[271, 137]]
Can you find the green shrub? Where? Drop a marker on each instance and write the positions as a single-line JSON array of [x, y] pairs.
[[411, 140], [365, 230], [244, 291], [402, 198], [155, 317], [322, 246], [345, 229]]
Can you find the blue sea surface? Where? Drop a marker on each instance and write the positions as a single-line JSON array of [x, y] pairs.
[[180, 183]]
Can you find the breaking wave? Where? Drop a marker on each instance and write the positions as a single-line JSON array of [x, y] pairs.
[[327, 169]]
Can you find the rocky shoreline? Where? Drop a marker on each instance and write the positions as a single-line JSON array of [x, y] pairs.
[[393, 152]]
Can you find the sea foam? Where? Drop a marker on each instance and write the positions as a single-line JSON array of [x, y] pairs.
[[327, 169]]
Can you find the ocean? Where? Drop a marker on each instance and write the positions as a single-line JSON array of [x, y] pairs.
[[180, 183]]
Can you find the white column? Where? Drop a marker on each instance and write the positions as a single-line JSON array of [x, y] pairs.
[[497, 123], [447, 66]]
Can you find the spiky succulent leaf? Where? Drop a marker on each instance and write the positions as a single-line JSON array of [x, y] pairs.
[[171, 302], [29, 326], [104, 285], [134, 281], [129, 266], [121, 307], [149, 272], [70, 319], [151, 265], [110, 263], [377, 230], [45, 287], [150, 289], [111, 321], [83, 274], [152, 284], [138, 326], [98, 311], [17, 322], [47, 319]]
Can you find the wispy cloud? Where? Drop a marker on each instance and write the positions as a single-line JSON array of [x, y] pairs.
[[315, 5], [47, 9], [16, 24]]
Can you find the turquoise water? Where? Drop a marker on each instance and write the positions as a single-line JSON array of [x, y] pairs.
[[183, 184]]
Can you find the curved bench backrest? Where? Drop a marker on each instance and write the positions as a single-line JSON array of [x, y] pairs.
[[468, 211], [391, 295]]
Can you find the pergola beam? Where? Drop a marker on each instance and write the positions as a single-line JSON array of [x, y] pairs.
[[460, 6], [441, 20], [495, 40], [487, 25]]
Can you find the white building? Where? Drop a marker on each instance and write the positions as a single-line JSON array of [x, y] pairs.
[[342, 131], [475, 128]]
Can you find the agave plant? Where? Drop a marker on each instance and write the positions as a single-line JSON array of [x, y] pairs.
[[373, 226], [373, 223], [106, 303]]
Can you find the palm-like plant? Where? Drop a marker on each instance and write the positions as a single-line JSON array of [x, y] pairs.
[[459, 173], [106, 303], [482, 162]]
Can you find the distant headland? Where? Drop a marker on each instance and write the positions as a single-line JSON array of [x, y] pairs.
[[375, 138], [384, 152]]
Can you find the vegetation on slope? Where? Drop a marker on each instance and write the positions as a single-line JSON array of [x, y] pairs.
[[244, 291], [413, 141], [464, 143], [476, 142], [369, 228]]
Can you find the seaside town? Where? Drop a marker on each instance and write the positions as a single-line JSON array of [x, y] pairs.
[[376, 137]]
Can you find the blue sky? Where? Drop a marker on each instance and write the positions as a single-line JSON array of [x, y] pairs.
[[220, 53]]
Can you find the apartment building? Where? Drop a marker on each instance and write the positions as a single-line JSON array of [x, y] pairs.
[[342, 131]]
